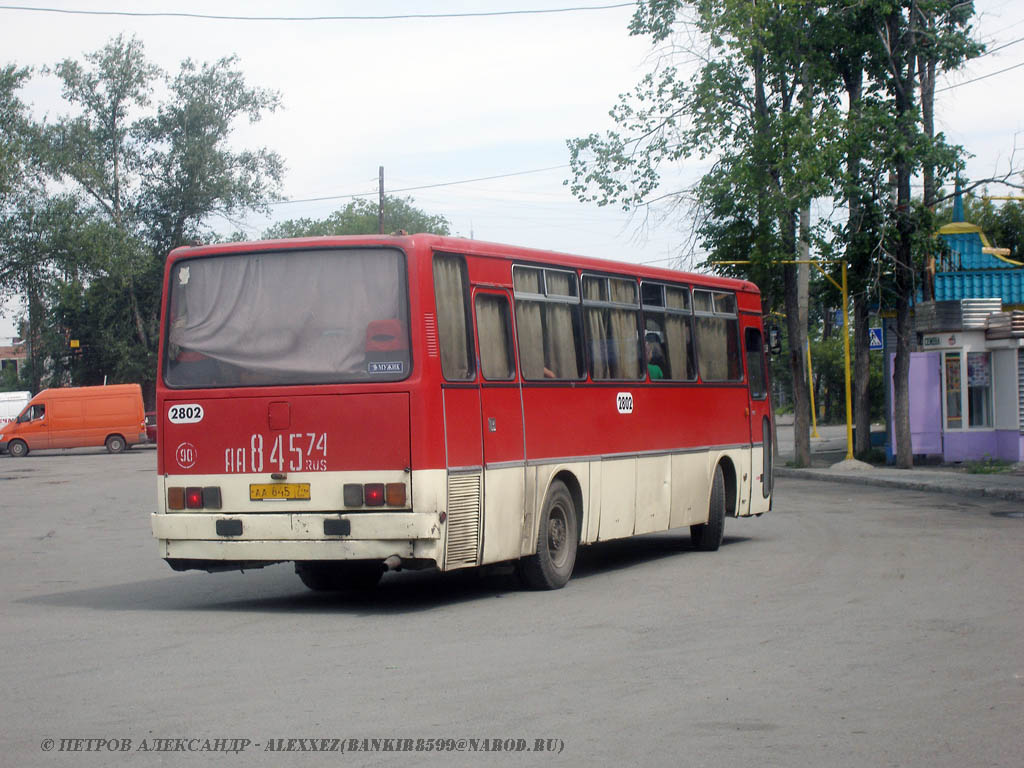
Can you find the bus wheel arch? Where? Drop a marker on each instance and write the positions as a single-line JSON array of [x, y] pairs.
[[707, 537], [557, 541], [572, 484], [731, 486]]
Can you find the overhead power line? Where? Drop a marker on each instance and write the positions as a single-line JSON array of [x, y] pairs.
[[976, 79], [414, 189], [382, 17]]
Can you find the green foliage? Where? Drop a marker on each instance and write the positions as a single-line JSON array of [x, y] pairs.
[[988, 466], [360, 217], [139, 177], [828, 367], [14, 134]]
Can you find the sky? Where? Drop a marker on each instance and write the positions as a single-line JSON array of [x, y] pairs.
[[442, 100]]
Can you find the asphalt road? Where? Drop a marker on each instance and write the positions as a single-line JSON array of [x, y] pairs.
[[849, 627]]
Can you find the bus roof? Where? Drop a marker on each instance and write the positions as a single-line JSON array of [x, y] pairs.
[[411, 243]]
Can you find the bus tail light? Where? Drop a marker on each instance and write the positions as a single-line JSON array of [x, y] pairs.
[[353, 494], [395, 494], [374, 494], [175, 498], [194, 498]]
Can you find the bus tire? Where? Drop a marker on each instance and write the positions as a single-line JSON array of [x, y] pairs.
[[336, 577], [116, 444], [557, 541], [707, 537], [17, 448]]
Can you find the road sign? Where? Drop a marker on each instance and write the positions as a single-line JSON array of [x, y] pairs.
[[875, 336]]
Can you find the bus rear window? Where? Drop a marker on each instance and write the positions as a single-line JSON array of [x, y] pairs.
[[290, 317]]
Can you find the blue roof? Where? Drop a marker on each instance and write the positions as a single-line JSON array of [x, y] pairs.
[[1007, 285], [978, 275], [968, 245]]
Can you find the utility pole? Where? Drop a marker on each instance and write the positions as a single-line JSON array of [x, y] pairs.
[[380, 204]]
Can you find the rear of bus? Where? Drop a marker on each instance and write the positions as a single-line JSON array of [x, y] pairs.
[[284, 406]]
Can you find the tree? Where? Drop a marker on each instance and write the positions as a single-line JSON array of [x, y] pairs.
[[44, 244], [154, 174], [759, 106], [360, 217], [14, 134], [908, 30]]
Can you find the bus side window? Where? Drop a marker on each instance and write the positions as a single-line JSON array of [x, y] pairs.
[[547, 323], [668, 330], [755, 364], [718, 352], [494, 330], [451, 292], [611, 312]]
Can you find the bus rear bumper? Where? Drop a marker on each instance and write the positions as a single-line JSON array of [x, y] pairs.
[[276, 538]]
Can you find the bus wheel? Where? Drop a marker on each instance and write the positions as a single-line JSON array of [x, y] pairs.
[[708, 536], [335, 577], [17, 448], [116, 444], [557, 541]]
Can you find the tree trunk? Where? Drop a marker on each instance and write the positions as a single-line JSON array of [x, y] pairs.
[[926, 73], [861, 375], [797, 365]]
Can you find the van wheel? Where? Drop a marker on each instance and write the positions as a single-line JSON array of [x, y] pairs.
[[557, 541], [116, 444], [17, 448], [708, 536]]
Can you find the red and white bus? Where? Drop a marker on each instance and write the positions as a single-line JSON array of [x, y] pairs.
[[357, 404]]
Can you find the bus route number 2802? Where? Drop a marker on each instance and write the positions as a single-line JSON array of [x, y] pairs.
[[624, 402], [185, 413]]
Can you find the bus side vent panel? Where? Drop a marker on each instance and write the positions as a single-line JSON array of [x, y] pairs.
[[463, 532], [430, 329]]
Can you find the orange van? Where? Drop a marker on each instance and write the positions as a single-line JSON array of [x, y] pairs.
[[78, 417]]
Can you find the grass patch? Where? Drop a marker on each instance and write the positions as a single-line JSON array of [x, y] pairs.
[[988, 466]]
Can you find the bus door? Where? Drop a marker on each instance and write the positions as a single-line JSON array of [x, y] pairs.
[[501, 418], [759, 409]]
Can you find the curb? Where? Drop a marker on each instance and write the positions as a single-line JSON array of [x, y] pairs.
[[909, 483]]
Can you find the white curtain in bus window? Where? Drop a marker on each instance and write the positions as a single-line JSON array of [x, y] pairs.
[[612, 327], [528, 322], [545, 322], [718, 353], [450, 292], [495, 333], [560, 339], [668, 332], [288, 318]]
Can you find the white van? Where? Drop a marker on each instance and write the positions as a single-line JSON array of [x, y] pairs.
[[11, 404]]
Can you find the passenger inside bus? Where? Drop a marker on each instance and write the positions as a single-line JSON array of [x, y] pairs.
[[655, 360]]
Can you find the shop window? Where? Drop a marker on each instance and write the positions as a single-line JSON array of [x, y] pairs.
[[979, 389], [954, 407]]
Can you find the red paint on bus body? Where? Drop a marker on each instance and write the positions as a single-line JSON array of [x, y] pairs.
[[424, 422]]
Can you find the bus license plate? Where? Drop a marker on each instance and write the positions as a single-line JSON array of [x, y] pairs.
[[279, 492]]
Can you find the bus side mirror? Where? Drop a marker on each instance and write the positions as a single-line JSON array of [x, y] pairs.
[[774, 340]]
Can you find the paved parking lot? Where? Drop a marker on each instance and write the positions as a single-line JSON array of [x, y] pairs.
[[851, 626]]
